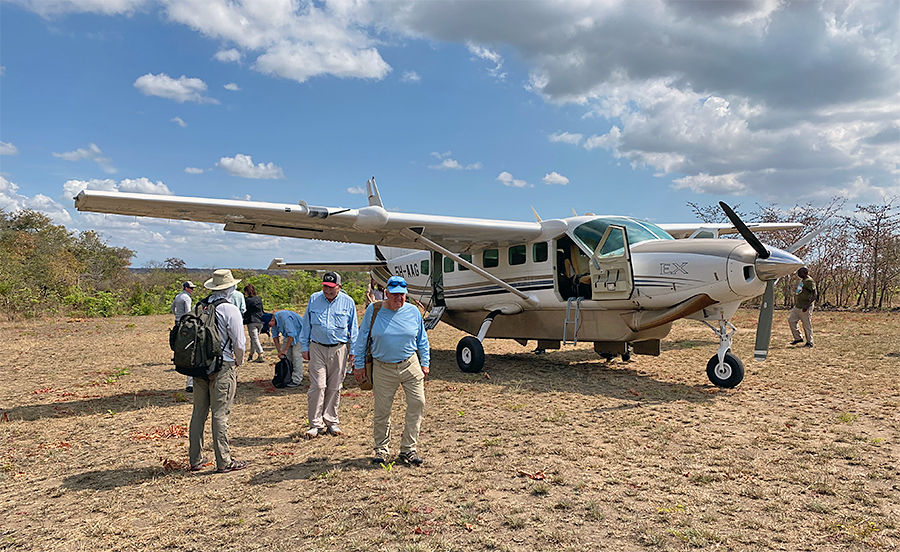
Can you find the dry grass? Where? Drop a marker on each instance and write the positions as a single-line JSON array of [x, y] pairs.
[[553, 452]]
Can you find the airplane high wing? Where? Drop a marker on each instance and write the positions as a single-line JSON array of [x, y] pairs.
[[372, 225]]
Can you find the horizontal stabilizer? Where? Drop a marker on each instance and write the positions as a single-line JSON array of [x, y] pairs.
[[354, 266]]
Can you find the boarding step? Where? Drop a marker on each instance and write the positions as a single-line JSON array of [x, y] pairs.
[[434, 317], [572, 322]]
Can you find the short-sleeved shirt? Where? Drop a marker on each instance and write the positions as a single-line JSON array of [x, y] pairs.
[[288, 323], [329, 322], [181, 305]]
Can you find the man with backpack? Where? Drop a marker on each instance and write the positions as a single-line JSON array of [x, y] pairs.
[[216, 392], [181, 305]]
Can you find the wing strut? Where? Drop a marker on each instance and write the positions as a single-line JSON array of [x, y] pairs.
[[408, 233]]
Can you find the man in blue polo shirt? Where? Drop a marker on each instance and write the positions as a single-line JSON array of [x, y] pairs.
[[401, 356], [290, 324], [327, 340]]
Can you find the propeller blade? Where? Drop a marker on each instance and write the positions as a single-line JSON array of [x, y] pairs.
[[746, 233], [809, 237], [764, 328]]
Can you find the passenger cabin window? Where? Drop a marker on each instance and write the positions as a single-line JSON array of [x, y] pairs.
[[540, 252], [425, 267], [516, 255], [467, 257], [491, 258], [449, 265]]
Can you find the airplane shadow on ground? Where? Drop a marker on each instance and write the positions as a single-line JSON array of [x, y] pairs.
[[578, 371], [91, 403]]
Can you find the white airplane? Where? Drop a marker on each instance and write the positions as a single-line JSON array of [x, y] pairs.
[[616, 281]]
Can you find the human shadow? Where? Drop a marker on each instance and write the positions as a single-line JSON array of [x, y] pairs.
[[98, 480], [314, 468], [88, 401]]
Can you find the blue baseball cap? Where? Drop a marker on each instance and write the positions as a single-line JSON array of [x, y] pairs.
[[396, 284], [266, 317]]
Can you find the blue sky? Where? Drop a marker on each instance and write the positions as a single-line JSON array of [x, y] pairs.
[[478, 109]]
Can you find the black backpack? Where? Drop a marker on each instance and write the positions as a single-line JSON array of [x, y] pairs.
[[284, 373], [196, 342]]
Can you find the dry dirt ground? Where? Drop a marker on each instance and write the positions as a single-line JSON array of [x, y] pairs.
[[543, 452]]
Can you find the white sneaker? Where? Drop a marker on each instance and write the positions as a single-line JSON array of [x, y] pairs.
[[334, 429], [313, 432]]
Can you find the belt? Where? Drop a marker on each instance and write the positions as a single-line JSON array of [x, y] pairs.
[[330, 344]]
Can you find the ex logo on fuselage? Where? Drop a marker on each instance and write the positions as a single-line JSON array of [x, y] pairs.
[[670, 269]]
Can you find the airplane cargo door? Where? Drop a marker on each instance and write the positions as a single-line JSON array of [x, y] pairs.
[[611, 274]]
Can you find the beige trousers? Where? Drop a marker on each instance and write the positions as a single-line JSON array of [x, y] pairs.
[[386, 378], [327, 367], [217, 395], [797, 315]]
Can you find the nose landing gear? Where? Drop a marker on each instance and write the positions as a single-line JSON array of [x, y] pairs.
[[724, 369], [470, 352]]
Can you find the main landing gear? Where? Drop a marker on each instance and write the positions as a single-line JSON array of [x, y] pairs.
[[724, 369], [470, 352]]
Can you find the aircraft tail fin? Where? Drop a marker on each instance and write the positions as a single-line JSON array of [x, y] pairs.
[[372, 191]]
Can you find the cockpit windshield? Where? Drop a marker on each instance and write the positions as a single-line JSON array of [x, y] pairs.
[[591, 232]]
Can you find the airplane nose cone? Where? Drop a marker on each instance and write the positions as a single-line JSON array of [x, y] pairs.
[[780, 263]]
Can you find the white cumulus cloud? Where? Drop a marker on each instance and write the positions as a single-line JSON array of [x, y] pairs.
[[232, 86], [242, 165], [90, 153], [11, 201], [140, 185], [193, 170], [179, 121], [565, 137], [410, 76], [507, 180], [7, 148], [229, 56], [183, 89], [555, 178], [356, 190], [451, 164]]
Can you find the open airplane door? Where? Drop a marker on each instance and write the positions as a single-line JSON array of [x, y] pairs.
[[611, 274]]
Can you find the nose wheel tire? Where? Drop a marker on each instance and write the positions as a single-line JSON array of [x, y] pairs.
[[470, 355], [728, 374]]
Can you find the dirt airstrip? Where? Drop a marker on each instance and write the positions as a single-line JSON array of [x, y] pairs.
[[561, 451]]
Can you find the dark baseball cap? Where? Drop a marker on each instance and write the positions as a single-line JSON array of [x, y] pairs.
[[331, 279], [265, 317]]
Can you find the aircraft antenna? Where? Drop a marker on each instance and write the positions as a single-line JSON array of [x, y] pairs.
[[574, 212], [536, 216]]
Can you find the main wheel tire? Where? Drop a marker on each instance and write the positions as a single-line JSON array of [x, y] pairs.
[[729, 374], [470, 355]]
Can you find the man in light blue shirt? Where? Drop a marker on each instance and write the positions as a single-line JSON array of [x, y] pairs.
[[401, 356], [327, 340], [290, 324]]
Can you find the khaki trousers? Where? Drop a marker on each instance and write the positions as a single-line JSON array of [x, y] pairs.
[[797, 315], [386, 378], [217, 395], [327, 367]]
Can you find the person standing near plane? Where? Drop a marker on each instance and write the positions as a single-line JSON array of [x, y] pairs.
[[327, 340], [374, 292], [290, 324], [804, 297], [181, 305], [401, 356]]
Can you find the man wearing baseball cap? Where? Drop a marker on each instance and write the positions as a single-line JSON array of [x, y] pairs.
[[181, 306], [401, 356], [327, 341], [290, 324]]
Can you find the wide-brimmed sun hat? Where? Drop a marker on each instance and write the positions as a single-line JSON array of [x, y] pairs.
[[396, 284], [222, 279]]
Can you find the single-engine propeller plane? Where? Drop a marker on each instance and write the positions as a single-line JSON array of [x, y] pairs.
[[616, 281]]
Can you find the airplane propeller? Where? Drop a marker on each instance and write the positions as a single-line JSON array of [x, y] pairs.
[[780, 264]]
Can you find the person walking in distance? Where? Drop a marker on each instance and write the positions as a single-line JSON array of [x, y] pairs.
[[328, 339], [804, 298], [401, 356], [253, 321], [181, 305]]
